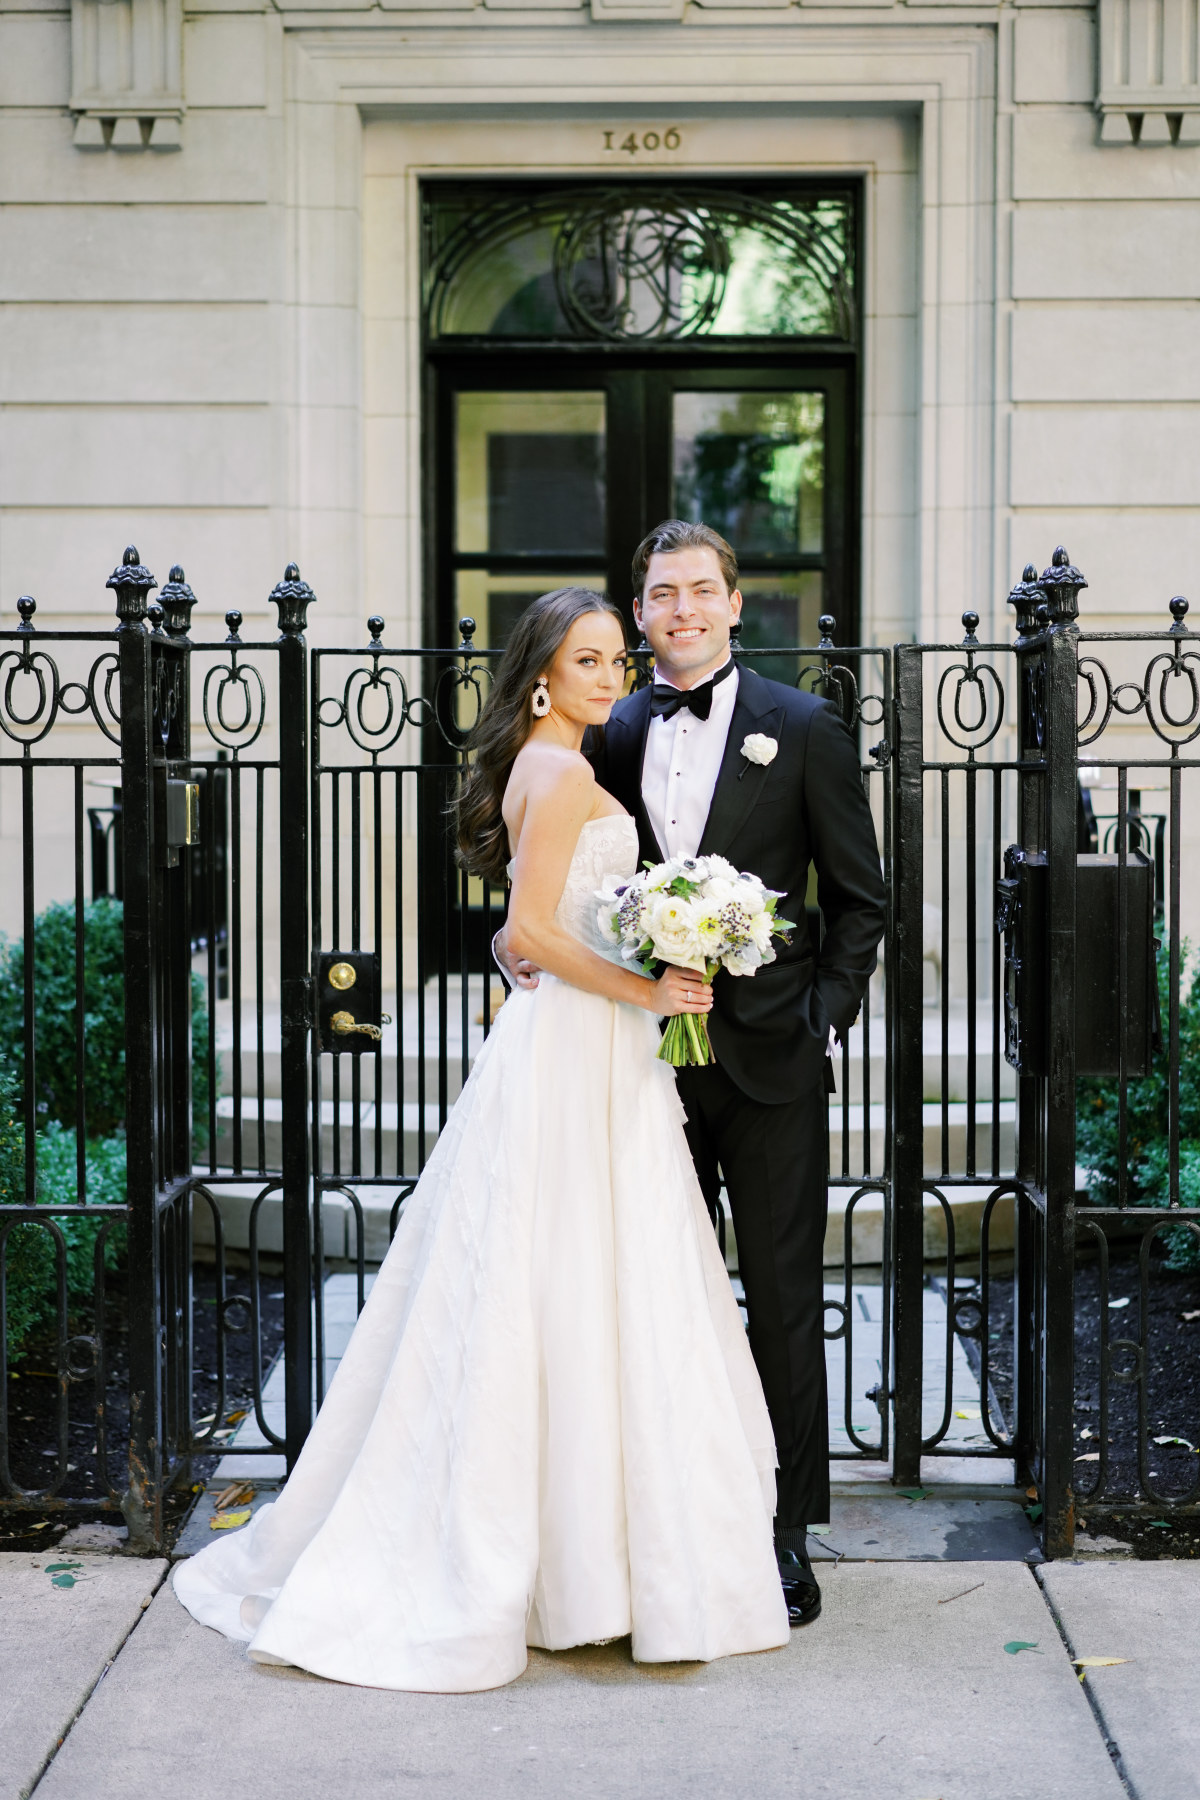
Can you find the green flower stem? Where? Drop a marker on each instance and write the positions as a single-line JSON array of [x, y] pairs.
[[685, 1042]]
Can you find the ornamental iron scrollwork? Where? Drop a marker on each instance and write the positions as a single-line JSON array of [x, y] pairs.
[[1168, 694], [167, 695], [641, 263], [832, 681], [971, 732], [230, 685], [28, 717], [398, 708]]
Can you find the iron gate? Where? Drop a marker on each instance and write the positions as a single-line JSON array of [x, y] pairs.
[[285, 866]]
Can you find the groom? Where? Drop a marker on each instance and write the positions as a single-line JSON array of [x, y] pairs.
[[714, 760]]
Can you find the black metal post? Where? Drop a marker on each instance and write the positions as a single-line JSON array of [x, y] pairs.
[[1061, 584], [907, 1012], [1027, 598], [293, 598], [142, 1502]]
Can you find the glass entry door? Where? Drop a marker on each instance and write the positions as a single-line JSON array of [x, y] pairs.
[[553, 476], [529, 503]]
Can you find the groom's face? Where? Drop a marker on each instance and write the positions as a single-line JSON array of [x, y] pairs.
[[685, 612]]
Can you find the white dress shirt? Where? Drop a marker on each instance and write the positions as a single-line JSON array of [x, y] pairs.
[[681, 765]]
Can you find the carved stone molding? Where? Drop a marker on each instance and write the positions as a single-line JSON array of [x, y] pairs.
[[127, 73], [1149, 72]]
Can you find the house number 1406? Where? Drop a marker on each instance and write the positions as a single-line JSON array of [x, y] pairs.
[[646, 140]]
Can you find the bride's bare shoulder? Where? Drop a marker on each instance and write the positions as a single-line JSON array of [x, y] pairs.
[[551, 770], [549, 776]]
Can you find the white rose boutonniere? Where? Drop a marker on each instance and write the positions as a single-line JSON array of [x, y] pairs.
[[758, 748]]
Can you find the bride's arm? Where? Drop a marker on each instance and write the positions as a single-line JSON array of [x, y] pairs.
[[559, 801]]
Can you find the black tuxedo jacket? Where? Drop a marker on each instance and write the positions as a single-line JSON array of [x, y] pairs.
[[770, 1030]]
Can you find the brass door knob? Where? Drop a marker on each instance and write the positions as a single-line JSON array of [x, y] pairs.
[[344, 1023]]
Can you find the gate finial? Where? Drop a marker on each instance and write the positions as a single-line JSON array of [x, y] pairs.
[[133, 581], [177, 600], [1026, 597], [1062, 583], [1179, 612], [293, 597]]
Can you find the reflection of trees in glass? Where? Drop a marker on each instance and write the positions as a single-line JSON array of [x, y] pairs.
[[754, 468], [635, 262]]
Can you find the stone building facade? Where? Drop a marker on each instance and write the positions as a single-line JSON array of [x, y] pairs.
[[211, 317]]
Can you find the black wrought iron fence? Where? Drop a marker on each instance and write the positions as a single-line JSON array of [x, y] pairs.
[[305, 980]]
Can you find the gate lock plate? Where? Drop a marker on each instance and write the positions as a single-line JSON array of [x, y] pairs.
[[347, 997], [177, 821]]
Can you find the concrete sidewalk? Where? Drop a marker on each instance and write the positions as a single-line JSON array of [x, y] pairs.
[[904, 1687]]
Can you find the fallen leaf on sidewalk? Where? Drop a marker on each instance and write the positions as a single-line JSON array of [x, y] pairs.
[[914, 1493], [1189, 1318], [235, 1495], [1089, 1456], [1114, 1304], [967, 1412], [1017, 1645], [1099, 1662], [1033, 1513], [1162, 1524], [233, 1417], [61, 1576], [1175, 1440], [229, 1521]]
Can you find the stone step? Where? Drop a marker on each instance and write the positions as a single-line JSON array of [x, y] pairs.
[[388, 1123], [418, 1047], [235, 1199]]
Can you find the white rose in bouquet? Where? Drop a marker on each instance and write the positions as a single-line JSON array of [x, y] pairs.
[[671, 923]]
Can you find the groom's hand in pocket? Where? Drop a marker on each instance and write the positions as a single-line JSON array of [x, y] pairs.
[[518, 971]]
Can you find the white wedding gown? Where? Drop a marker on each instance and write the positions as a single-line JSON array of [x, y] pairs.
[[547, 1427]]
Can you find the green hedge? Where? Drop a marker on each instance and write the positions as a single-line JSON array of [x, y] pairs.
[[31, 1280], [104, 1018], [1147, 1143]]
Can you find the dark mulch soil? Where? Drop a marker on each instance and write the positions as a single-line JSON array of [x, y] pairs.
[[1172, 1425], [33, 1400]]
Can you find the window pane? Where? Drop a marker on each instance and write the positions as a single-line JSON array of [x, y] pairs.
[[777, 611], [752, 465], [530, 472], [496, 602], [635, 263]]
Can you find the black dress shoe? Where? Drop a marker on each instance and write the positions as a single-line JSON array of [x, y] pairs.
[[800, 1588]]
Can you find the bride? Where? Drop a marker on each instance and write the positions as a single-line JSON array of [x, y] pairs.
[[547, 1427]]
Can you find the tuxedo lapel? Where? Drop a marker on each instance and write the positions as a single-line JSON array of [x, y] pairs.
[[625, 747], [740, 781]]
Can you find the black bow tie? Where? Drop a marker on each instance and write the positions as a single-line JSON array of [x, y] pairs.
[[666, 701]]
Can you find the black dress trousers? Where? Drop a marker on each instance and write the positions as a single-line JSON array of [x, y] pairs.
[[775, 1162]]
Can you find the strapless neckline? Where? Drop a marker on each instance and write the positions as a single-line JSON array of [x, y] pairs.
[[603, 819]]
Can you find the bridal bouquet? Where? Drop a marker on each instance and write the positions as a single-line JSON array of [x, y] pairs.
[[698, 913]]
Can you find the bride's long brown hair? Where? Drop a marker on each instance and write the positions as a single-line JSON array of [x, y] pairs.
[[505, 722]]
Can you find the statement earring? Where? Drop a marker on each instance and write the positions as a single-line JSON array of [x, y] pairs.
[[540, 702]]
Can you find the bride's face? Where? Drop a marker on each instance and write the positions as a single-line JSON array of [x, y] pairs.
[[588, 674]]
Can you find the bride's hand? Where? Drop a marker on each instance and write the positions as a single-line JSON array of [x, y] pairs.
[[681, 991]]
